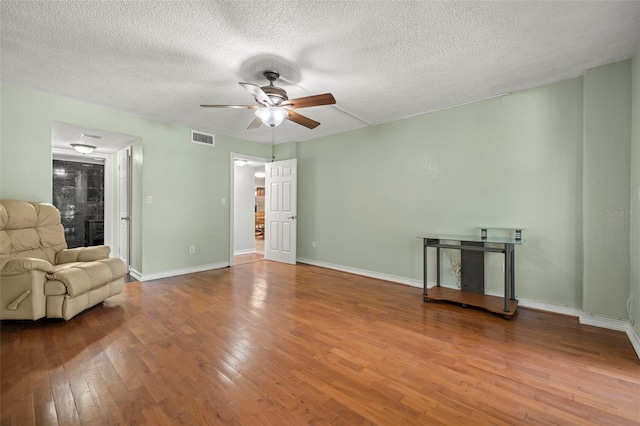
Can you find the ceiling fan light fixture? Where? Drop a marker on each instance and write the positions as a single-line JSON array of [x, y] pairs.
[[272, 116], [83, 148]]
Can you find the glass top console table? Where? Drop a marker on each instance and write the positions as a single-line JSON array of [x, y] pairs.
[[473, 248]]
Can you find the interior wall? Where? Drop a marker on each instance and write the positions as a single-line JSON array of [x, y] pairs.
[[244, 210], [635, 192], [285, 151], [189, 183], [606, 185], [364, 196]]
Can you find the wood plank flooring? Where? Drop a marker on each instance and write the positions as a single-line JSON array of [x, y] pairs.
[[264, 343], [247, 258]]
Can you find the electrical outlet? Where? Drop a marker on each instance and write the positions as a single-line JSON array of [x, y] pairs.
[[192, 249], [223, 201], [313, 244], [149, 199]]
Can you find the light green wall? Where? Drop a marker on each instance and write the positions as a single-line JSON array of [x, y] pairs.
[[606, 185], [25, 148], [635, 191], [364, 195], [285, 151], [187, 181]]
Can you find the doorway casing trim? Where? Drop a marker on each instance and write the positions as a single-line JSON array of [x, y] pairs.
[[233, 156]]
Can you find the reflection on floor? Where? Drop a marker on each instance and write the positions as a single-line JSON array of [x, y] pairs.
[[251, 257]]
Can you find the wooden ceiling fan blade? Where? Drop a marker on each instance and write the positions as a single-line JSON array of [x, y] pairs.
[[302, 120], [310, 101], [231, 106], [255, 123], [257, 93]]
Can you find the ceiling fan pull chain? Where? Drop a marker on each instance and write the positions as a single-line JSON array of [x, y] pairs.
[[273, 139]]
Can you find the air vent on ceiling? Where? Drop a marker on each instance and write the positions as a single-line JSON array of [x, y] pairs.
[[203, 138]]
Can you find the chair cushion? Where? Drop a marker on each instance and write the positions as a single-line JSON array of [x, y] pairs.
[[83, 254], [83, 277], [30, 230]]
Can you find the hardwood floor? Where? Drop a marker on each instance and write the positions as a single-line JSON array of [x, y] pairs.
[[260, 245], [272, 344]]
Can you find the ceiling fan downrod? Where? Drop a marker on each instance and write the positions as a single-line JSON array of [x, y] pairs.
[[271, 76]]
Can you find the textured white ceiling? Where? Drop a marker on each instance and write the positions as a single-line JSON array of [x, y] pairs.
[[382, 60]]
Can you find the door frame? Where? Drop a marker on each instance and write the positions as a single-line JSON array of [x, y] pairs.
[[232, 157], [129, 152]]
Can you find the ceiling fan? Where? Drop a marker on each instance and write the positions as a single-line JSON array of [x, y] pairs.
[[274, 106]]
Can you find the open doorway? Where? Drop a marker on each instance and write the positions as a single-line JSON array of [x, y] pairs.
[[259, 230], [247, 209], [83, 185]]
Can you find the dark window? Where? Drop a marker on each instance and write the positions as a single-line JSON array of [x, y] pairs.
[[78, 192]]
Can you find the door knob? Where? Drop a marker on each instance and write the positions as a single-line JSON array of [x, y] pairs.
[[291, 217]]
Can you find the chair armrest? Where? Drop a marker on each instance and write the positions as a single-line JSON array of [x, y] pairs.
[[18, 265], [85, 276], [83, 254]]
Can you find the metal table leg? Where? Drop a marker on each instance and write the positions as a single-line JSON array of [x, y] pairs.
[[424, 267], [507, 276], [438, 266], [513, 271]]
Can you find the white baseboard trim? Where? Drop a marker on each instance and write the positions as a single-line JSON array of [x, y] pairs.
[[613, 324], [181, 271], [550, 307], [604, 322], [245, 251], [135, 274], [633, 337], [363, 272]]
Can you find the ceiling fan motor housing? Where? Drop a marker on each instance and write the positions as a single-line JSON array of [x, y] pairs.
[[275, 93]]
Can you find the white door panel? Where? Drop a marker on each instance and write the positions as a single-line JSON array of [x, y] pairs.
[[273, 232], [286, 237], [274, 200], [281, 199]]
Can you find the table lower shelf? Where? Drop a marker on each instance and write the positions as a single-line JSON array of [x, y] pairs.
[[490, 303]]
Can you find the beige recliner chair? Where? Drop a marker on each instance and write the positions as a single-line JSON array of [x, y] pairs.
[[39, 276]]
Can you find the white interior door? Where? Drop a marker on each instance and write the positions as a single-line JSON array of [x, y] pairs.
[[124, 205], [281, 185]]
